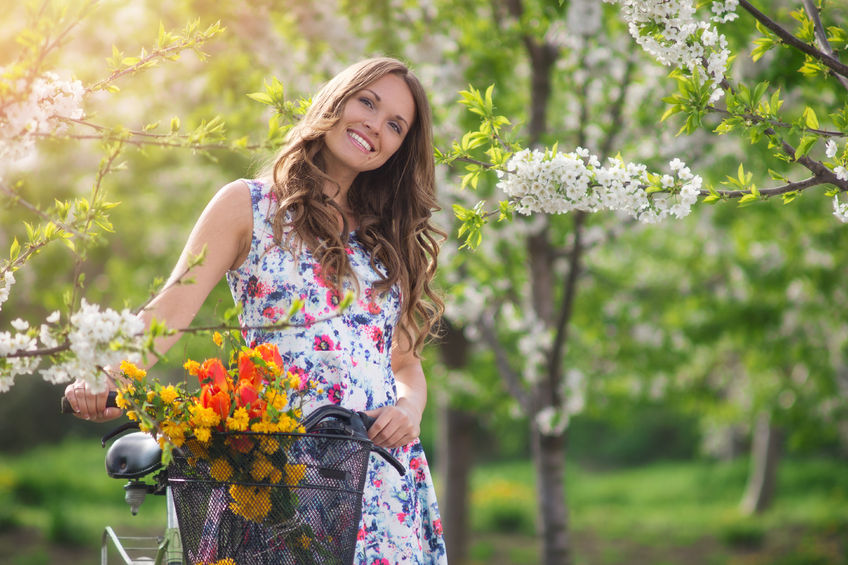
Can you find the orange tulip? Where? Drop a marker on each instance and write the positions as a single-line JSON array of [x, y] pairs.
[[248, 371], [270, 354], [212, 372], [216, 399]]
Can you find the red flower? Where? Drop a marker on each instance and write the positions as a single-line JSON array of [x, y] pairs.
[[217, 399], [270, 354], [212, 372], [247, 370]]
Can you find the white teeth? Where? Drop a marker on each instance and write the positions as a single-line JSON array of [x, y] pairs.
[[360, 140]]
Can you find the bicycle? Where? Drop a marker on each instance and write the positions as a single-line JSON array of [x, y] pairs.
[[334, 454]]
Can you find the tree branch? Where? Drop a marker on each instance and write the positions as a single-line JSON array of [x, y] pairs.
[[767, 192], [821, 36], [569, 293], [508, 374], [18, 200], [831, 62]]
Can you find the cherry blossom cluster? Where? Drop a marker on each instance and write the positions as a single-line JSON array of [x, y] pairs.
[[96, 339], [840, 209], [36, 108], [671, 32], [6, 286], [556, 183]]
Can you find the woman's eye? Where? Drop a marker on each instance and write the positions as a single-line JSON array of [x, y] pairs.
[[367, 102], [395, 126]]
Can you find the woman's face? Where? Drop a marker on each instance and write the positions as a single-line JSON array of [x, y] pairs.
[[373, 125]]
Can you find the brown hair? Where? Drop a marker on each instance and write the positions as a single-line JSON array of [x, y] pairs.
[[394, 202]]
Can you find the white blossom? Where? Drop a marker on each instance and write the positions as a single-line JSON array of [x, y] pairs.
[[840, 209], [682, 40], [36, 107], [830, 149], [841, 173], [6, 286], [558, 183], [552, 421]]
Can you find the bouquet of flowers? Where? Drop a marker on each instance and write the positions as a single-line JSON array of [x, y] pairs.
[[252, 393]]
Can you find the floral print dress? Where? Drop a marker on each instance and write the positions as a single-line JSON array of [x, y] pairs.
[[349, 357]]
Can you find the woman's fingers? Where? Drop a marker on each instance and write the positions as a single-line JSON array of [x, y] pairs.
[[90, 405], [393, 427]]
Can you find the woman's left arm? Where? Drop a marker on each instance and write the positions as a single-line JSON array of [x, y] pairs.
[[400, 424]]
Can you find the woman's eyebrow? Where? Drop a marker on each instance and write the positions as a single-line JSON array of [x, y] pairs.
[[377, 97]]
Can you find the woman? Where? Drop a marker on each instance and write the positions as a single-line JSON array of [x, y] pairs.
[[346, 206]]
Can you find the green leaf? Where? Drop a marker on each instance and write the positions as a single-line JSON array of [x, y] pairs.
[[747, 198], [810, 118], [804, 147], [261, 97]]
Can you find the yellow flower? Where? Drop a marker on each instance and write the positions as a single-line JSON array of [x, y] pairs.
[[204, 417], [269, 444], [132, 415], [202, 434], [132, 371], [174, 431], [261, 469], [276, 476], [239, 421], [294, 473], [193, 367], [279, 401], [218, 339], [250, 502], [121, 402], [169, 394], [221, 470], [305, 541], [151, 395]]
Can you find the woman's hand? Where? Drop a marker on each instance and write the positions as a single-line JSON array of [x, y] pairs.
[[89, 405], [396, 425]]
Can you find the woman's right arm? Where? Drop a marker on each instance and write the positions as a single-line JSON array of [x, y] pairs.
[[225, 230]]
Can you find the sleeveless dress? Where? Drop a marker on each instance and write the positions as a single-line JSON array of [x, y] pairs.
[[349, 356]]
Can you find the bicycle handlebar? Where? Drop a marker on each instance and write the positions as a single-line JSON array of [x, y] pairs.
[[357, 424], [66, 408]]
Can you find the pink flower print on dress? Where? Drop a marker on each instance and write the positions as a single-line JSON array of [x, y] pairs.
[[273, 313], [437, 526], [334, 395], [401, 516], [324, 343], [376, 335], [381, 561], [333, 298]]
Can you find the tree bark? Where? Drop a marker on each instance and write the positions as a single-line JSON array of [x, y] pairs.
[[762, 476], [549, 458], [455, 464], [456, 449]]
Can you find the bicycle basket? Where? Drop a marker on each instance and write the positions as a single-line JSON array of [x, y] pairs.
[[258, 498]]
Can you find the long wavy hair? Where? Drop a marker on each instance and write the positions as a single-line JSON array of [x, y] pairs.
[[394, 203]]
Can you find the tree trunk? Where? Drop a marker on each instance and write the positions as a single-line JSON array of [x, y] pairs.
[[456, 449], [765, 456], [549, 459], [455, 463]]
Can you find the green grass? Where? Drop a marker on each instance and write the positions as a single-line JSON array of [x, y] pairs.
[[675, 512], [59, 498], [63, 491]]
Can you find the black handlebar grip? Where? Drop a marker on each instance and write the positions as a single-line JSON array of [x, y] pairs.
[[66, 408]]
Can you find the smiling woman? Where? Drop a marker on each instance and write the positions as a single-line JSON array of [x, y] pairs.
[[345, 209]]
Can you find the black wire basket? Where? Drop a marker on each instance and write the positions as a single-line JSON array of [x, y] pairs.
[[256, 498]]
